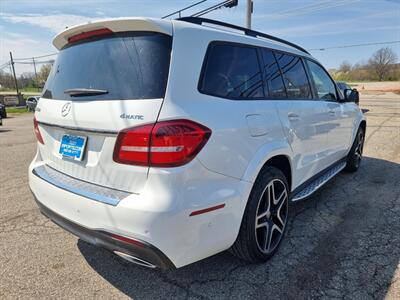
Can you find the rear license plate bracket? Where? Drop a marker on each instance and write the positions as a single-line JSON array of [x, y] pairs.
[[72, 146]]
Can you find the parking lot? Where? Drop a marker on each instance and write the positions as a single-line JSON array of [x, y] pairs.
[[343, 242]]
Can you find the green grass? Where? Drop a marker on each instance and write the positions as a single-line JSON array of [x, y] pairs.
[[17, 110], [30, 90]]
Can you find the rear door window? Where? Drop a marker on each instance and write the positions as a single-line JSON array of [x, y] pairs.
[[128, 65], [275, 88], [294, 76], [324, 85], [232, 72]]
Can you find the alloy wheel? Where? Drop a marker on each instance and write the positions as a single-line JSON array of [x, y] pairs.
[[272, 211], [359, 148]]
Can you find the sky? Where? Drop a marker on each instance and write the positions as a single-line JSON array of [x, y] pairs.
[[28, 27]]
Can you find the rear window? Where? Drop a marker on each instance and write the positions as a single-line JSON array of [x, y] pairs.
[[232, 72], [294, 76], [129, 65]]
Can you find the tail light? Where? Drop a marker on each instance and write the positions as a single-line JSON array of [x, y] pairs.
[[89, 34], [37, 131], [164, 144]]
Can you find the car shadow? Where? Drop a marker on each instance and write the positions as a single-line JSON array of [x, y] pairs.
[[343, 240]]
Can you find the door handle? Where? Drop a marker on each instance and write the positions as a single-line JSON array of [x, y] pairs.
[[332, 113]]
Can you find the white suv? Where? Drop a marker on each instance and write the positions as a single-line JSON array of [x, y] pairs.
[[167, 141]]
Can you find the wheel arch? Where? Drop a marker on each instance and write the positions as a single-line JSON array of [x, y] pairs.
[[278, 155], [281, 162], [361, 124]]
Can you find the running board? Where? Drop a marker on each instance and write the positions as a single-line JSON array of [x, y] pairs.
[[318, 182]]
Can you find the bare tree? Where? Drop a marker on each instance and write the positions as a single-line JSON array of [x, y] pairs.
[[44, 73], [6, 80], [381, 62], [345, 67]]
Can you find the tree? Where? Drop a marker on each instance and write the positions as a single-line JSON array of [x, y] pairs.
[[26, 79], [44, 73], [6, 80], [381, 62], [345, 67]]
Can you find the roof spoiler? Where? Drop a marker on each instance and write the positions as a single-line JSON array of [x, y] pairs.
[[113, 25]]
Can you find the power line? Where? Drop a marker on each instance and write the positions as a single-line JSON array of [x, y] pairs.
[[226, 3], [29, 60], [5, 65], [355, 45], [306, 7], [41, 56], [314, 7], [179, 12], [31, 63]]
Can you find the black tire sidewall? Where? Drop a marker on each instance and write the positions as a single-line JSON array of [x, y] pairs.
[[352, 165], [265, 177]]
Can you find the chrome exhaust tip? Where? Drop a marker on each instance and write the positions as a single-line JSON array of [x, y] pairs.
[[135, 260]]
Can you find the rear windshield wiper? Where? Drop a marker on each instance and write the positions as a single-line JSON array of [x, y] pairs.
[[80, 92]]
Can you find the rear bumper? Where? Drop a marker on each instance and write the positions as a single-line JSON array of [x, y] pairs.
[[161, 217], [141, 252]]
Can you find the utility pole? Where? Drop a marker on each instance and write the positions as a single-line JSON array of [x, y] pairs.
[[249, 11], [15, 77], [34, 68]]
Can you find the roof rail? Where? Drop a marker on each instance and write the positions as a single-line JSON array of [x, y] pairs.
[[249, 32]]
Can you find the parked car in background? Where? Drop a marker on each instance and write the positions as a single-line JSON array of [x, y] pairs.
[[31, 102], [186, 140], [1, 120], [3, 112]]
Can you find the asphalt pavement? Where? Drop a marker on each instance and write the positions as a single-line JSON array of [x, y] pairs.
[[343, 242]]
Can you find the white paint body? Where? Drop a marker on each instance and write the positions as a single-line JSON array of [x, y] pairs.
[[245, 135]]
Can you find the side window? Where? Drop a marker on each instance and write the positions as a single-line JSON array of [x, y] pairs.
[[232, 72], [294, 76], [275, 88], [323, 83]]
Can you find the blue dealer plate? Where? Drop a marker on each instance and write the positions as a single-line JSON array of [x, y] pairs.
[[72, 146]]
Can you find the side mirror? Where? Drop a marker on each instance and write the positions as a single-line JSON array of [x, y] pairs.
[[352, 95]]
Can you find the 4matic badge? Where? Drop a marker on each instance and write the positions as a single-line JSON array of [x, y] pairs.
[[132, 117]]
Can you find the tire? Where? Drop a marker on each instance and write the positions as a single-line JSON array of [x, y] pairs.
[[355, 155], [265, 217]]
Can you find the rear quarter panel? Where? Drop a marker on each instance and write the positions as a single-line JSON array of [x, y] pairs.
[[231, 149]]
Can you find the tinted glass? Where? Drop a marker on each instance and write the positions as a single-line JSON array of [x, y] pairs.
[[323, 83], [232, 72], [275, 88], [343, 85], [127, 65], [295, 77]]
